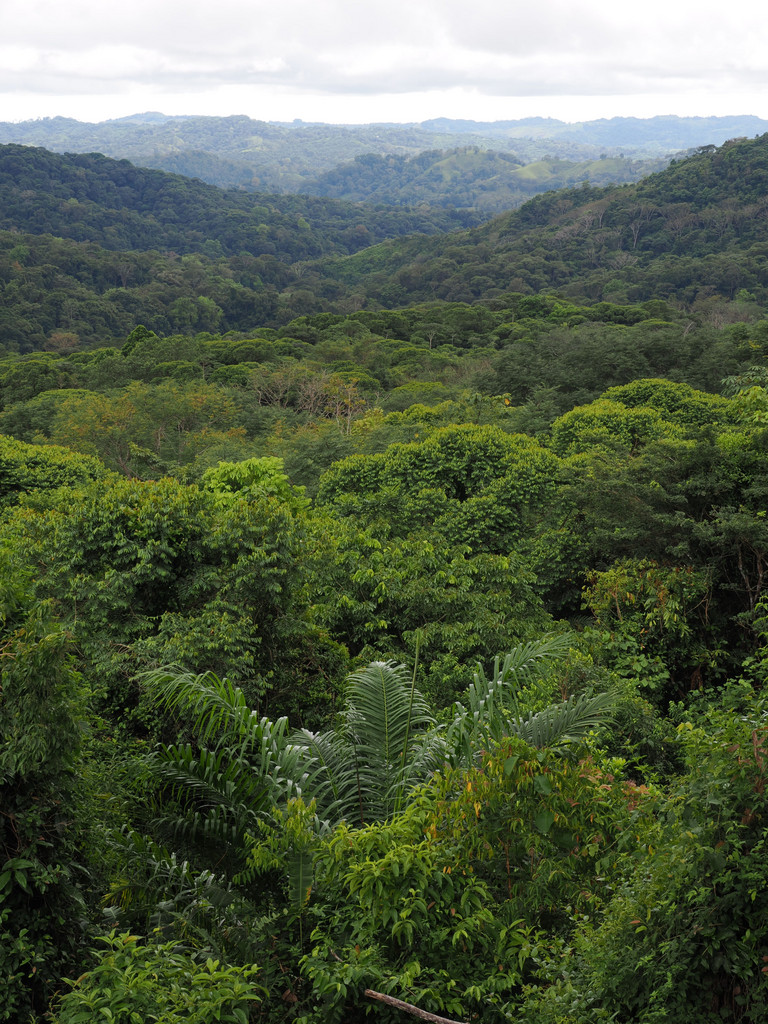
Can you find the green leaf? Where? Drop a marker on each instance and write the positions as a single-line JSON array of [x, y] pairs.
[[542, 785], [21, 879], [544, 821]]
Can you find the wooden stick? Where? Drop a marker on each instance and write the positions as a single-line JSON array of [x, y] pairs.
[[410, 1008], [398, 1004]]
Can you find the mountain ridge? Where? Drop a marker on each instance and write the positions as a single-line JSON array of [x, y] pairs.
[[242, 152], [694, 234]]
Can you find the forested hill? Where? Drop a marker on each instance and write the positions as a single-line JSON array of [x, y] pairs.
[[235, 151], [469, 177], [417, 654], [695, 230], [93, 247], [265, 156], [89, 197]]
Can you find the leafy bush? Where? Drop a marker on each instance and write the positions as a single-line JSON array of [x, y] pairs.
[[685, 935], [134, 982], [41, 907], [448, 900]]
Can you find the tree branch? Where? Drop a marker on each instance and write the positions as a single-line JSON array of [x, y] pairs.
[[409, 1008], [398, 1004]]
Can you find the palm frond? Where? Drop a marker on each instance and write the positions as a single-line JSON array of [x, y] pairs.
[[492, 702], [426, 755], [217, 834], [562, 724], [209, 777], [382, 709], [221, 718], [516, 670], [385, 716], [327, 773], [361, 771], [218, 790], [155, 875], [217, 707]]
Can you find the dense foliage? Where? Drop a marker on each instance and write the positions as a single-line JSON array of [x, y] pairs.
[[691, 232], [388, 655]]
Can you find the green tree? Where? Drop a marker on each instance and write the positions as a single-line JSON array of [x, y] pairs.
[[684, 931], [654, 622], [677, 402], [475, 485], [381, 597], [160, 572], [253, 479], [147, 430], [43, 873], [387, 742], [25, 469], [607, 424]]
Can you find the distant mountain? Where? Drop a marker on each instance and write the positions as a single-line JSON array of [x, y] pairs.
[[228, 151], [638, 136], [254, 155]]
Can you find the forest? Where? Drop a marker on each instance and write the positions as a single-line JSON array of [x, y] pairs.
[[266, 156], [384, 601]]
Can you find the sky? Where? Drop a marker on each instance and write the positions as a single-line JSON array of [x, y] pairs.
[[357, 61]]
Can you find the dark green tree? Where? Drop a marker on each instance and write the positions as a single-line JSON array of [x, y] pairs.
[[43, 869]]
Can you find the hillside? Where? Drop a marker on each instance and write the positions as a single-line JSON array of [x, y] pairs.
[[91, 198], [483, 180], [93, 247], [697, 230], [252, 155]]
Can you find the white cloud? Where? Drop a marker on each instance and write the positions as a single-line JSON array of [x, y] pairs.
[[184, 57]]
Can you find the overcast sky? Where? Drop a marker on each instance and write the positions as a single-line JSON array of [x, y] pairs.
[[348, 61]]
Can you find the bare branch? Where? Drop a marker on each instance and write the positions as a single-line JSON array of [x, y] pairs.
[[410, 1008]]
